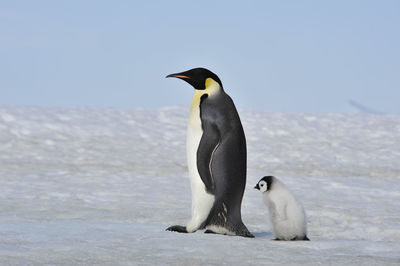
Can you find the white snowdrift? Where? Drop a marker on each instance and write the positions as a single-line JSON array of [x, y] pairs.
[[99, 186]]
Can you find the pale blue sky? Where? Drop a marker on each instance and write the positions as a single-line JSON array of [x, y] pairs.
[[297, 56]]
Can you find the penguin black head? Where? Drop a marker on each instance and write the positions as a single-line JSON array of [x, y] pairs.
[[197, 77], [264, 184]]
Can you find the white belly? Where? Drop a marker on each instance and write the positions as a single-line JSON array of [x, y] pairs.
[[202, 202], [290, 224]]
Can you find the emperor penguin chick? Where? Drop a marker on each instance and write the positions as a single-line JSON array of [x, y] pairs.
[[287, 216]]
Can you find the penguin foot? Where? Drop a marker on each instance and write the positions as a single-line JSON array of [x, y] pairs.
[[305, 238], [177, 228]]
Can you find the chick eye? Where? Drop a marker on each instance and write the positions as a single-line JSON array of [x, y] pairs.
[[262, 185]]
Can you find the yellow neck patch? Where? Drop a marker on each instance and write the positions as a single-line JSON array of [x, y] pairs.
[[209, 81], [212, 87]]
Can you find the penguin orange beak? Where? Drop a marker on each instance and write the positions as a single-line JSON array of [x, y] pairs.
[[177, 76], [186, 76]]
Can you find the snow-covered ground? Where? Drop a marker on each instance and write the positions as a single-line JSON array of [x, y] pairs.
[[84, 186]]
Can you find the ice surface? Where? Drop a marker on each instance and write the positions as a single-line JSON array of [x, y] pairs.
[[84, 186]]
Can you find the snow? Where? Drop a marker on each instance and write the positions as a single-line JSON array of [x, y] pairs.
[[85, 186]]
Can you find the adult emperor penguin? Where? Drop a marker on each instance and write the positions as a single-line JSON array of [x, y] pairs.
[[216, 156]]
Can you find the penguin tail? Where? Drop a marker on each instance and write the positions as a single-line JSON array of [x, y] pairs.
[[241, 230]]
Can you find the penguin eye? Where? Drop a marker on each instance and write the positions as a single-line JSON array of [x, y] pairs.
[[262, 185]]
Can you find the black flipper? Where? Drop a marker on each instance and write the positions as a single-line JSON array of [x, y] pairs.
[[177, 228], [208, 144]]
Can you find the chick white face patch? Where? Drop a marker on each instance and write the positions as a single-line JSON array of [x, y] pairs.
[[263, 186]]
